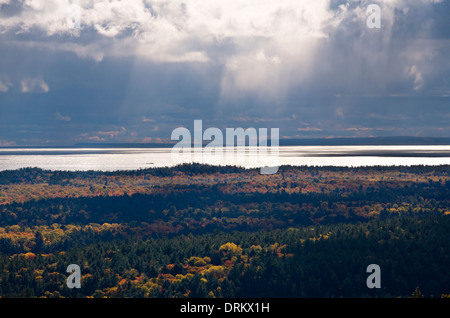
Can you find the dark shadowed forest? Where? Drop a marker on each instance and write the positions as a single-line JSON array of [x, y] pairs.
[[205, 231]]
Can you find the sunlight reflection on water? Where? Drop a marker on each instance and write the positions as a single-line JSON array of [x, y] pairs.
[[110, 159]]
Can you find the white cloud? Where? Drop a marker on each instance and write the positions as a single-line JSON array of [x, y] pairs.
[[340, 112], [34, 85], [147, 120], [265, 46], [415, 73], [309, 129], [179, 29], [6, 143], [59, 116], [5, 83]]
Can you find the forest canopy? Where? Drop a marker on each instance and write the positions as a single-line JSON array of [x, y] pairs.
[[205, 231]]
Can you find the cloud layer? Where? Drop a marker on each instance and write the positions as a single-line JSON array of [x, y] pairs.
[[311, 66]]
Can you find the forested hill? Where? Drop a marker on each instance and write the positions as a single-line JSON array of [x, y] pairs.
[[205, 231]]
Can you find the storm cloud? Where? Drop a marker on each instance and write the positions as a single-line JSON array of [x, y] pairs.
[[132, 71]]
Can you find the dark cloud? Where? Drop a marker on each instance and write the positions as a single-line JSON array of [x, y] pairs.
[[136, 72]]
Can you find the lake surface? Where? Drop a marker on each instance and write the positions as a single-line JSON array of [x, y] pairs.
[[111, 159]]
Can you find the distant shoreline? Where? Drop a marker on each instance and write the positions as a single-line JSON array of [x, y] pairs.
[[344, 141]]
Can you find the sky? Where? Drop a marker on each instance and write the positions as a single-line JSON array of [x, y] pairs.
[[132, 71]]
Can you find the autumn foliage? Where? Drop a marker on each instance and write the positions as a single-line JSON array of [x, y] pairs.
[[203, 231]]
